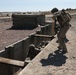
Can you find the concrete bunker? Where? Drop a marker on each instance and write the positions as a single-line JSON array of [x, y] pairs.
[[27, 20], [20, 52]]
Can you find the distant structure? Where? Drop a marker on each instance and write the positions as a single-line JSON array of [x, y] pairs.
[[27, 20]]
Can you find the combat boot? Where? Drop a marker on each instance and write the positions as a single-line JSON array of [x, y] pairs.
[[64, 51]]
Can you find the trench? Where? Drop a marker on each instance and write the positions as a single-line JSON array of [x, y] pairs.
[[19, 54]]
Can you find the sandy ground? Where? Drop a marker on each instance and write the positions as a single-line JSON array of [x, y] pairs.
[[9, 36], [51, 61], [46, 63]]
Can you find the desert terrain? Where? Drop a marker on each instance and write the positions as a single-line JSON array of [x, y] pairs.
[[9, 36], [47, 63], [51, 61]]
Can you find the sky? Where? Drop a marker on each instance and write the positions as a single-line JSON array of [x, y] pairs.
[[35, 5]]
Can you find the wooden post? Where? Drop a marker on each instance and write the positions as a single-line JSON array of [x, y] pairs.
[[12, 62]]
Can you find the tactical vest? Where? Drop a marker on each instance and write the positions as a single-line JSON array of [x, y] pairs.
[[63, 18]]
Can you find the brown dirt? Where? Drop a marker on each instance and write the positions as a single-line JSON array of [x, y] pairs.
[[45, 64], [51, 61], [9, 36]]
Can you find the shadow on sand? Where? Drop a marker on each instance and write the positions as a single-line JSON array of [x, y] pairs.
[[21, 28], [56, 59]]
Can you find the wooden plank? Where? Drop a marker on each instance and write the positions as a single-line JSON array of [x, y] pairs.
[[41, 35], [12, 62]]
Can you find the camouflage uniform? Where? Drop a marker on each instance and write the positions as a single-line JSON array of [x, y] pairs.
[[64, 26], [61, 36]]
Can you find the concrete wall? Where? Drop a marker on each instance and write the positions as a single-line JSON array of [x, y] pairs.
[[19, 50], [27, 21]]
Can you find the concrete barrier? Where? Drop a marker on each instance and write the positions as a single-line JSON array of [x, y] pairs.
[[27, 21], [19, 50]]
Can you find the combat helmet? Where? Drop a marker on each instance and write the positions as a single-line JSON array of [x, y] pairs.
[[54, 10]]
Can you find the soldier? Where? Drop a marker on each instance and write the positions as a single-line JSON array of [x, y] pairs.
[[63, 19]]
